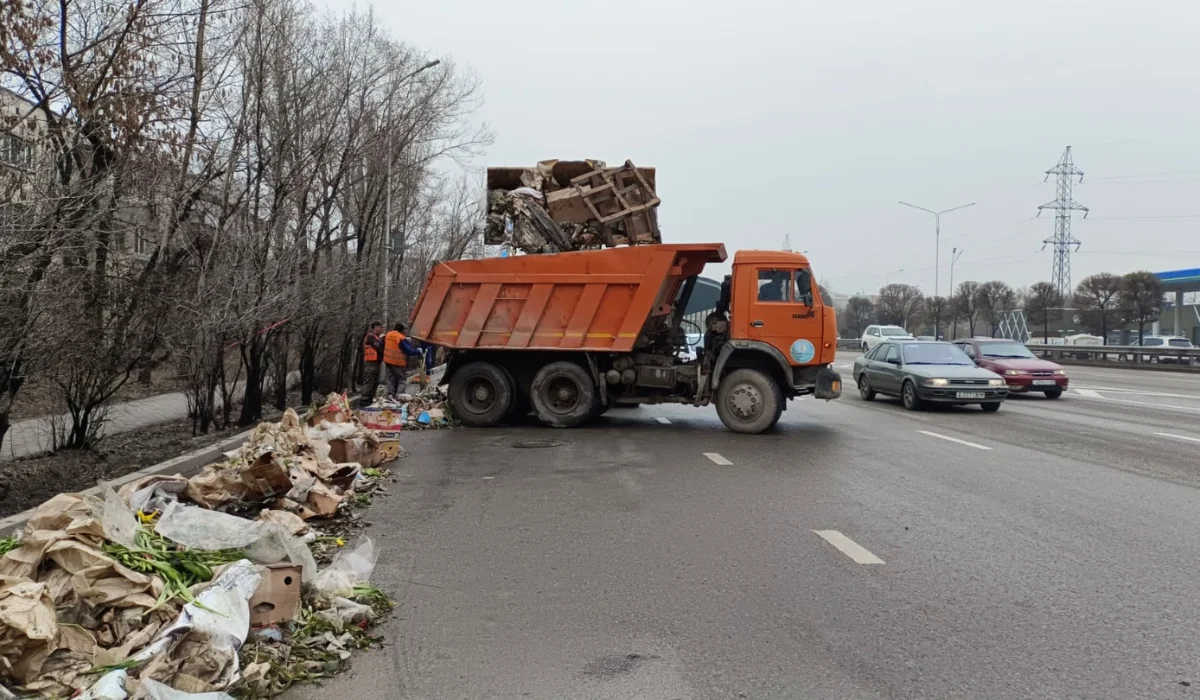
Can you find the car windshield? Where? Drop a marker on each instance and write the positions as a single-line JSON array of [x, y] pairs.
[[1179, 343], [893, 331], [934, 354], [1005, 350]]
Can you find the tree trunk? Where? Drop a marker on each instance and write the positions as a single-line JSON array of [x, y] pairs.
[[308, 370], [252, 397], [281, 372], [4, 426]]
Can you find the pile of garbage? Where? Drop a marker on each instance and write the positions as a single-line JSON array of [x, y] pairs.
[[425, 410], [173, 587], [559, 206]]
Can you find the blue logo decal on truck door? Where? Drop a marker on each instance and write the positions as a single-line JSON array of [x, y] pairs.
[[803, 351]]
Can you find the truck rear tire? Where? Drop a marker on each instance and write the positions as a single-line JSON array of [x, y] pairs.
[[563, 394], [749, 401], [481, 394]]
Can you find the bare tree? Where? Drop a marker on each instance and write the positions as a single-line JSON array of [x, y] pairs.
[[966, 304], [859, 314], [936, 309], [1141, 299], [1099, 300], [899, 304], [994, 299], [1042, 302]]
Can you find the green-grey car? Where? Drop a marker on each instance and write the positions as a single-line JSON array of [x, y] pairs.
[[924, 372]]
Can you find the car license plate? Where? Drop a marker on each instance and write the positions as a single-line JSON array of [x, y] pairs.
[[969, 395], [1044, 382]]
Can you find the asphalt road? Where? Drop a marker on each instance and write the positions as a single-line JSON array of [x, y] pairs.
[[1050, 550]]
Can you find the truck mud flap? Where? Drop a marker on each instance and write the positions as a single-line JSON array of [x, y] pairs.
[[829, 384]]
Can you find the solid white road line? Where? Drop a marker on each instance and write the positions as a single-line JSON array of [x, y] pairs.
[[718, 459], [1179, 437], [953, 439], [1089, 393], [849, 547], [1167, 406], [1142, 392], [664, 421]]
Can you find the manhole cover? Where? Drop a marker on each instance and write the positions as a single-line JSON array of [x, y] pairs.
[[535, 444]]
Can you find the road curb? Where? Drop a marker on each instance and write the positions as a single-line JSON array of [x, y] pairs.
[[187, 464]]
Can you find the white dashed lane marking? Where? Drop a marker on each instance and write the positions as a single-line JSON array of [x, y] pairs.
[[849, 547], [664, 421], [718, 459], [953, 439]]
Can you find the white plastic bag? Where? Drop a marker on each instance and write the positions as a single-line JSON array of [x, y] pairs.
[[197, 528], [347, 569]]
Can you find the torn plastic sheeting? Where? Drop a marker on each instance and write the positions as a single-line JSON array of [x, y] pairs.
[[277, 544], [153, 492], [347, 569], [344, 611], [333, 431], [208, 530], [111, 686], [161, 691]]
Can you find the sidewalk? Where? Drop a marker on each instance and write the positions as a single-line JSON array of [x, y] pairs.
[[32, 436]]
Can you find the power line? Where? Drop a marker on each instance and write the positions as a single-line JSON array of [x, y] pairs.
[[1063, 204]]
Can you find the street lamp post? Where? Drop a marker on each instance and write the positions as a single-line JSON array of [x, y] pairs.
[[937, 247], [888, 277], [955, 254]]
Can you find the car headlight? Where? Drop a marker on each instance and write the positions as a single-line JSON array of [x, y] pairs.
[[1060, 372], [937, 382], [995, 382], [1013, 372]]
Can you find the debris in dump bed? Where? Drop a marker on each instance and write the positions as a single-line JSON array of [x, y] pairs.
[[151, 593], [559, 206]]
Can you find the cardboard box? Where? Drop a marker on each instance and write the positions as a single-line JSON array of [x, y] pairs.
[[381, 420], [568, 206], [277, 598]]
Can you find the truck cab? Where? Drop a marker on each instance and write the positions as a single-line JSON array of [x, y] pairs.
[[775, 336]]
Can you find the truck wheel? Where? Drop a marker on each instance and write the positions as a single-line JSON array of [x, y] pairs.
[[563, 394], [481, 394], [748, 401]]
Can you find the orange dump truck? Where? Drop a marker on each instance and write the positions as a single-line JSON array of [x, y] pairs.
[[570, 335]]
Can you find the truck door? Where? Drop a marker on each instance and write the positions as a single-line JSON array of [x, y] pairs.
[[783, 313]]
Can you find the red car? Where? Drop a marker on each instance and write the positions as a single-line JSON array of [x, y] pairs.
[[1022, 370]]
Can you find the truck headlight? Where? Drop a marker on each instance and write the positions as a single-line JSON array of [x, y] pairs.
[[1013, 372], [996, 382], [937, 382]]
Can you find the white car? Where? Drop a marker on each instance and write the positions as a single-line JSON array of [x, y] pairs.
[[874, 334], [1170, 341]]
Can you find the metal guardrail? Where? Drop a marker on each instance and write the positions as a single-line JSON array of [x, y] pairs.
[[1119, 354]]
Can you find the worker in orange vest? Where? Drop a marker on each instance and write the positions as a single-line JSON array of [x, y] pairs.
[[396, 349], [372, 353]]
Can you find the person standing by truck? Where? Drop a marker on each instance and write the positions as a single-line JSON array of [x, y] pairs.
[[372, 351], [396, 349]]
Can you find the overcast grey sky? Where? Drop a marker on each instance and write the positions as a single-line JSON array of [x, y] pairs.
[[812, 119]]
